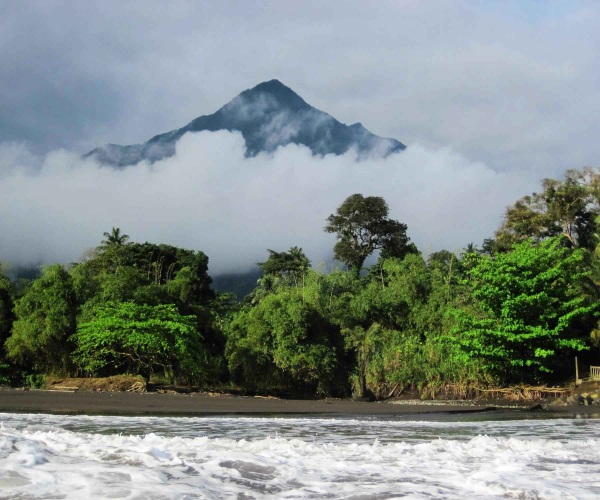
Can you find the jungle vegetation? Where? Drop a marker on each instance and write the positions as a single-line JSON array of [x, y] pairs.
[[517, 310]]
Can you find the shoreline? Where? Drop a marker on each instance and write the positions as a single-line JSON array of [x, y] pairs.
[[156, 404]]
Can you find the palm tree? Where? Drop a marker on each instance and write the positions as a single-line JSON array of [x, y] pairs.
[[470, 248], [115, 238]]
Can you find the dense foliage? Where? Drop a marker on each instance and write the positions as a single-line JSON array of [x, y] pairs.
[[6, 308], [144, 339], [45, 321], [515, 311], [531, 311]]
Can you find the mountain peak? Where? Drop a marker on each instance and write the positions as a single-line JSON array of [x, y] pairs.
[[278, 92], [271, 86], [268, 115]]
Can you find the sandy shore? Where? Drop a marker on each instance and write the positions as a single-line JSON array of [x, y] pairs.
[[119, 403]]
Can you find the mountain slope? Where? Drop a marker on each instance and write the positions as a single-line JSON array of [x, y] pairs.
[[268, 116]]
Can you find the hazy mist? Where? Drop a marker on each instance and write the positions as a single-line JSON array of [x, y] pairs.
[[210, 197]]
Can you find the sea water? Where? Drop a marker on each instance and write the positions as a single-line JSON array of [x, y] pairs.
[[495, 455]]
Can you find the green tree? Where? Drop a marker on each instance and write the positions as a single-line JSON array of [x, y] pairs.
[[45, 321], [115, 238], [160, 264], [362, 226], [380, 326], [530, 310], [265, 285], [285, 341], [489, 247], [125, 337], [144, 273], [396, 327], [447, 264], [566, 208], [367, 345], [290, 265]]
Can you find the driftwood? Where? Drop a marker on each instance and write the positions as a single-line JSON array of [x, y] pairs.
[[456, 391], [63, 388], [525, 392], [117, 383], [393, 391]]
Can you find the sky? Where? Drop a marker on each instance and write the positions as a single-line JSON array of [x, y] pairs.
[[489, 96]]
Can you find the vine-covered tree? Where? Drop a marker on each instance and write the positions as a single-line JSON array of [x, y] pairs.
[[162, 263], [139, 272], [45, 320], [362, 226], [287, 340], [6, 309]]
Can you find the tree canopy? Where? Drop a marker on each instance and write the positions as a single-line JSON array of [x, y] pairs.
[[514, 310], [6, 309], [362, 226], [290, 265], [566, 208]]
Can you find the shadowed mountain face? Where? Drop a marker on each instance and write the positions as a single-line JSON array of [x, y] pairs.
[[268, 116]]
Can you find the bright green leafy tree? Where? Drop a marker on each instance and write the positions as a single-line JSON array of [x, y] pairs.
[[530, 310], [125, 337]]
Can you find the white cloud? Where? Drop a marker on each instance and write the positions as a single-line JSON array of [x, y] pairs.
[[210, 197]]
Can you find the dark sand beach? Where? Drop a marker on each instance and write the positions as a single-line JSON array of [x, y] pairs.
[[121, 403]]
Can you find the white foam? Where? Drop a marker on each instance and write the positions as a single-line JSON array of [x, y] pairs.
[[296, 458]]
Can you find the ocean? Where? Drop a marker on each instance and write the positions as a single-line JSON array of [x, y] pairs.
[[503, 454]]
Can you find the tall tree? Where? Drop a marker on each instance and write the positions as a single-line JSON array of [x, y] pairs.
[[446, 263], [291, 265], [161, 263], [115, 238], [566, 208], [362, 226]]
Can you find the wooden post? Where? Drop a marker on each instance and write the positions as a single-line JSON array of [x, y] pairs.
[[577, 381]]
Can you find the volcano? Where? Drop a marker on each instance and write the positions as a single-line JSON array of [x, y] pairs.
[[268, 116]]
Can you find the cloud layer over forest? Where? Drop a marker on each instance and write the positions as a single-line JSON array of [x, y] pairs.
[[210, 197], [489, 97]]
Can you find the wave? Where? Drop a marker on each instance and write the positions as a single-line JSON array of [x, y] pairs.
[[39, 459]]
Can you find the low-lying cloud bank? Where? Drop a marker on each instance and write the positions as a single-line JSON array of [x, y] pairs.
[[210, 197]]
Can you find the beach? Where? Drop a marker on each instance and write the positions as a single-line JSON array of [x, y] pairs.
[[150, 403], [76, 445]]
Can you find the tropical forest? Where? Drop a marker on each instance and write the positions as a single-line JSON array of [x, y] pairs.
[[384, 319]]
